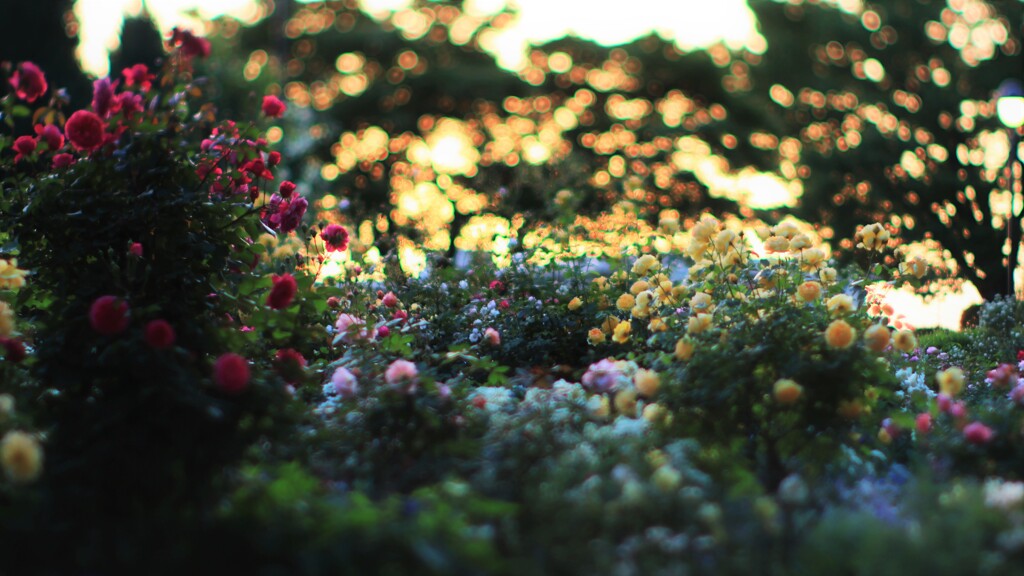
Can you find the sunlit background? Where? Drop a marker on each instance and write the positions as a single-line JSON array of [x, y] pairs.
[[530, 131], [690, 23]]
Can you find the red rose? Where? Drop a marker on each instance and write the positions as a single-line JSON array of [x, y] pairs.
[[273, 107], [108, 315], [159, 334], [138, 75], [292, 215], [50, 134], [273, 159], [24, 146], [283, 292], [978, 433], [390, 300], [28, 81], [135, 249], [335, 237], [289, 364], [127, 103], [191, 45], [231, 373], [85, 130], [286, 188], [63, 160]]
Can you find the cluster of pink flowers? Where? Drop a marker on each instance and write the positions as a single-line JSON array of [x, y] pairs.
[[285, 209], [602, 376]]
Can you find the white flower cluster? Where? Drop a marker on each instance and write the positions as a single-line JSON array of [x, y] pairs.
[[496, 398], [1003, 494], [912, 383]]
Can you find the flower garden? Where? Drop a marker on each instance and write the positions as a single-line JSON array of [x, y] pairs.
[[202, 371]]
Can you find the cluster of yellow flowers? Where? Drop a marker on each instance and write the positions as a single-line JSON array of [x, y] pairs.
[[872, 237], [645, 299], [11, 277], [720, 254]]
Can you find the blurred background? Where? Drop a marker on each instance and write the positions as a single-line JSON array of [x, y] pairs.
[[432, 129]]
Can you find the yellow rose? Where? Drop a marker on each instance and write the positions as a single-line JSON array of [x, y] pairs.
[[21, 456], [684, 349], [724, 241], [839, 305], [839, 334], [904, 341], [625, 402], [787, 391], [11, 277], [656, 413], [696, 249], [809, 291], [776, 244], [951, 381], [701, 302], [811, 258], [827, 275], [609, 324], [657, 325], [916, 266], [575, 304], [645, 264], [799, 242], [787, 229], [625, 302], [621, 332], [876, 338], [647, 382], [698, 323], [702, 232]]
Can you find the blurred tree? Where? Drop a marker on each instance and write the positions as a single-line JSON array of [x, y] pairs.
[[413, 107], [891, 110], [141, 43]]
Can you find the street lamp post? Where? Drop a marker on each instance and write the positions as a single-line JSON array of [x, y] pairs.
[[1010, 110]]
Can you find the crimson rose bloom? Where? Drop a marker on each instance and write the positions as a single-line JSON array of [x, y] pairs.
[[335, 237], [191, 45], [231, 373], [24, 146], [273, 107], [138, 75], [292, 215], [108, 315], [159, 334], [63, 160], [50, 134], [286, 188], [289, 364], [28, 81], [283, 291], [85, 130]]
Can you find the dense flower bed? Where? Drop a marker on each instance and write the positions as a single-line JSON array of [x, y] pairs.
[[180, 380]]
